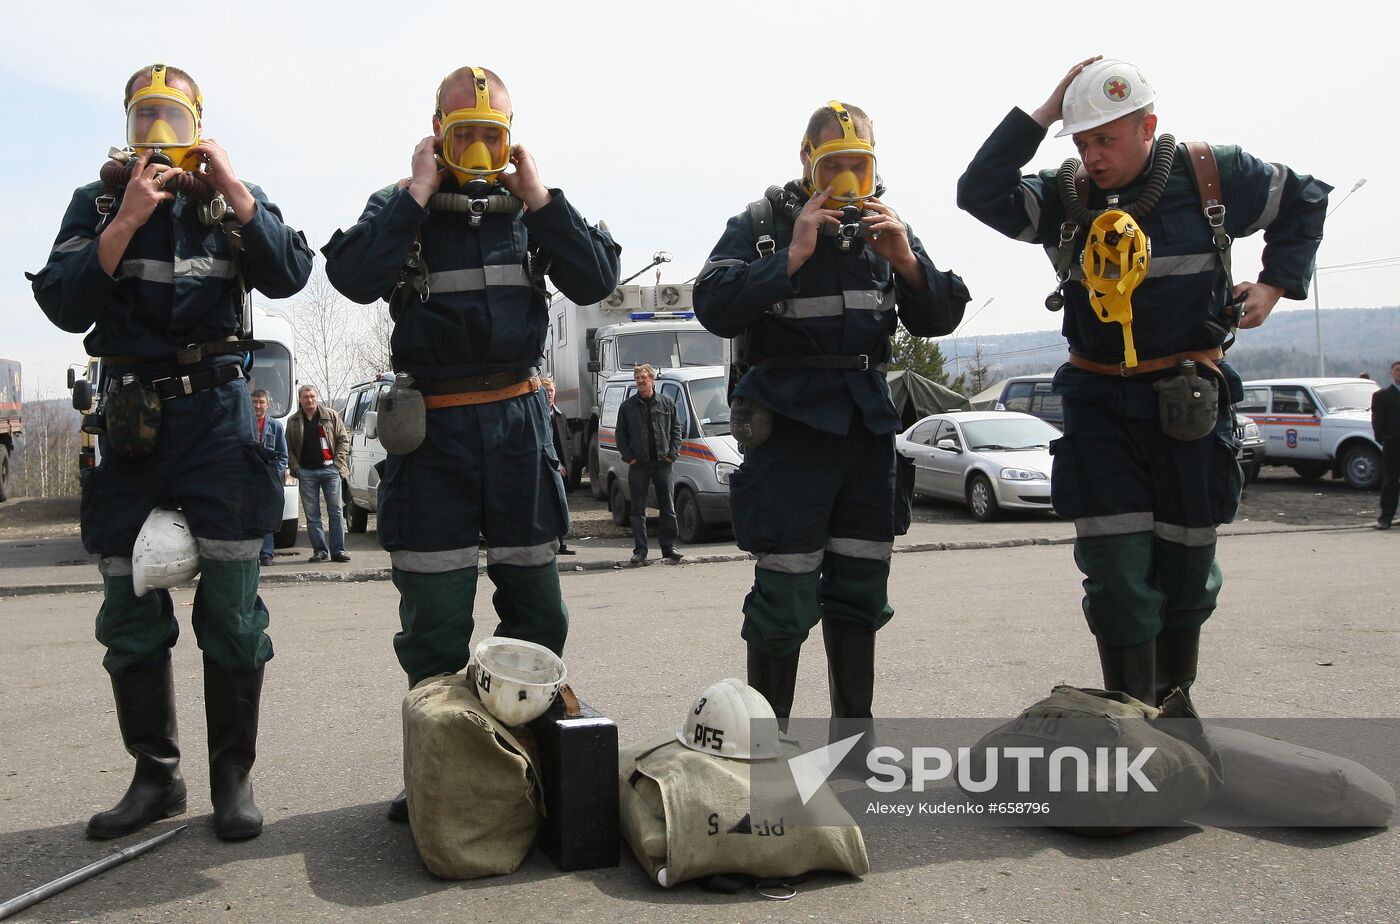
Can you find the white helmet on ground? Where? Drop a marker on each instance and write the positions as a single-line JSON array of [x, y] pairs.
[[721, 722], [1103, 91], [516, 680], [166, 553]]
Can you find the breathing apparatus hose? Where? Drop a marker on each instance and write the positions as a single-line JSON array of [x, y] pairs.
[[1163, 157], [494, 204], [115, 175]]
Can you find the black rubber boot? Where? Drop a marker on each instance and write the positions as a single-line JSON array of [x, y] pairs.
[[850, 675], [1130, 670], [231, 701], [146, 717], [398, 807], [776, 679], [1177, 652]]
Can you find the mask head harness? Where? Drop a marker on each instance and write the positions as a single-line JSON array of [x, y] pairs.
[[847, 165], [163, 120], [475, 143]]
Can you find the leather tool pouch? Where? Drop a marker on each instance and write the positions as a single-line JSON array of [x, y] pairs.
[[402, 418], [133, 418], [1187, 404], [750, 422]]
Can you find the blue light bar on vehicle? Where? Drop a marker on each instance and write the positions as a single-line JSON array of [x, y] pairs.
[[661, 315]]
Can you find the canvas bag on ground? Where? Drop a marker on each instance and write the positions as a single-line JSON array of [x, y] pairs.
[[473, 793], [686, 815], [1184, 776]]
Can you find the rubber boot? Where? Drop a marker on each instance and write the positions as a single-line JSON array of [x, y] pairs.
[[146, 716], [231, 701], [1177, 652], [776, 679], [1130, 670], [398, 807], [850, 675]]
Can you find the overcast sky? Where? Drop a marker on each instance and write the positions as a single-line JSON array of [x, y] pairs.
[[666, 118]]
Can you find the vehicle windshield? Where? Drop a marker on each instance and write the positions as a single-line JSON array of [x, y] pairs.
[[707, 396], [670, 349], [1346, 396], [1005, 435], [272, 370]]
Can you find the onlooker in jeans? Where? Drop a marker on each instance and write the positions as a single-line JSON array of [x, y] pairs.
[[1385, 423], [649, 439], [319, 445], [273, 436]]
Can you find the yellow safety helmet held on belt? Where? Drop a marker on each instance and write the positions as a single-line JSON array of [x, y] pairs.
[[475, 142], [162, 118], [846, 164], [1116, 257]]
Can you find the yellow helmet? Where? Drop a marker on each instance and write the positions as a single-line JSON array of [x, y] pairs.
[[846, 164], [162, 118], [1116, 257], [475, 142]]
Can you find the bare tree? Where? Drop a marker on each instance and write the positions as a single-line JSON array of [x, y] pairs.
[[371, 354], [981, 375], [47, 463], [325, 325]]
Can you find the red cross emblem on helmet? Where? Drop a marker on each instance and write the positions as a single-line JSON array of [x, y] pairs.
[[1116, 89]]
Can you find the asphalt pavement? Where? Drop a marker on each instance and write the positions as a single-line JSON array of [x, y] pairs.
[[987, 620]]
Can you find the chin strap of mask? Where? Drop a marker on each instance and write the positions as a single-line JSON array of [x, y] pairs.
[[1072, 184]]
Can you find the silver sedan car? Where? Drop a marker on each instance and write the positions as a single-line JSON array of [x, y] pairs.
[[991, 460]]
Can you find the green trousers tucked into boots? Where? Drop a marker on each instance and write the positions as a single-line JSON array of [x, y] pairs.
[[146, 716]]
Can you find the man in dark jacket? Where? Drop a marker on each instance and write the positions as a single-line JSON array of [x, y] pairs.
[[160, 292], [1145, 493], [460, 250], [649, 435], [815, 301], [1385, 423]]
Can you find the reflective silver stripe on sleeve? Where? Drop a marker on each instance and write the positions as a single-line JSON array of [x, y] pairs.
[[528, 556], [1031, 206], [204, 266], [433, 562], [114, 566], [150, 270], [72, 244], [717, 263], [1118, 524], [1277, 175], [1190, 536], [229, 549], [477, 278], [1185, 265], [860, 548], [791, 562]]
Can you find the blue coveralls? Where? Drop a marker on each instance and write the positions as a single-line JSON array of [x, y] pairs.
[[1145, 505], [176, 286], [818, 502], [484, 469]]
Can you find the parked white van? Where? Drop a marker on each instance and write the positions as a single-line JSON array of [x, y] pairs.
[[709, 454]]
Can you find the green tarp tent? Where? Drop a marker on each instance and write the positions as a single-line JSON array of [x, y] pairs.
[[916, 397]]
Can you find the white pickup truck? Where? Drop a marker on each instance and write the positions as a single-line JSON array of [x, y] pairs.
[[1317, 426]]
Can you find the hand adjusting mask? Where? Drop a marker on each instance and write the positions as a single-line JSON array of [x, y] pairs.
[[163, 120]]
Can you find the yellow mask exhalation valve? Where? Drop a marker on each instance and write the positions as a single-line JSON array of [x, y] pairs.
[[1116, 257]]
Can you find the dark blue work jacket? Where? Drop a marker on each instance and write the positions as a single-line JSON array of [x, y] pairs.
[[839, 304], [1185, 285], [482, 314], [175, 284]]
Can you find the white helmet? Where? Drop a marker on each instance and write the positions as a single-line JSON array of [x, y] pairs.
[[1103, 91], [515, 680], [721, 722], [166, 553]]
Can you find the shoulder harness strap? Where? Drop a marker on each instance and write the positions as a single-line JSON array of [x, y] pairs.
[[760, 212], [1206, 174]]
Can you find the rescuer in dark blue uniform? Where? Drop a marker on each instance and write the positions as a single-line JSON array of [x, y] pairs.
[[460, 252], [813, 303], [143, 265], [1146, 501]]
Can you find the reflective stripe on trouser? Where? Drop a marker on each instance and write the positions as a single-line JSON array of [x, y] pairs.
[[138, 632], [207, 460], [807, 501], [1145, 508]]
